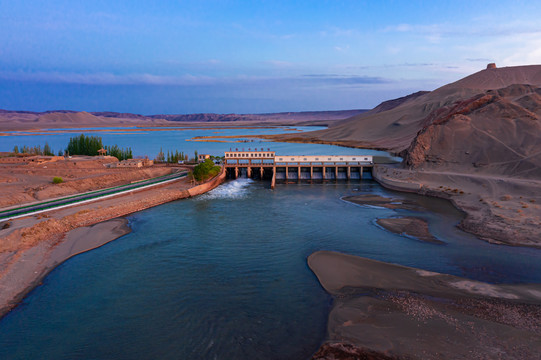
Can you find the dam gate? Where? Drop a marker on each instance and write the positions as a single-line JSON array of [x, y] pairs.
[[261, 164]]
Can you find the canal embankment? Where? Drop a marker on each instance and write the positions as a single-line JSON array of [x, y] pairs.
[[33, 246]]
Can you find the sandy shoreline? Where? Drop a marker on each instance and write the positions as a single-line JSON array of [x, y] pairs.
[[34, 264], [498, 209], [391, 311], [35, 245]]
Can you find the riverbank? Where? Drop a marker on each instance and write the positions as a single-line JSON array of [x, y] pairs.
[[388, 311], [498, 209], [32, 246]]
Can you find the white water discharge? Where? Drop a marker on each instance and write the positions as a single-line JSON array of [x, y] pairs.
[[236, 189]]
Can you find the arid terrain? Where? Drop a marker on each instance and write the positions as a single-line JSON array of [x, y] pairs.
[[27, 182], [27, 120], [387, 311], [476, 141]]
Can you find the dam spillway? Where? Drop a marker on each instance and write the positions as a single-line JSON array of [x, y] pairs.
[[261, 164]]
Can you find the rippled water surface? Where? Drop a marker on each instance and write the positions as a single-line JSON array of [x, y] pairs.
[[224, 275]]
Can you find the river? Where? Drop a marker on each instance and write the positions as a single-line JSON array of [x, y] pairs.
[[224, 275]]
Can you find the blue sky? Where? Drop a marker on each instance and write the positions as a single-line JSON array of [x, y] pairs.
[[250, 56]]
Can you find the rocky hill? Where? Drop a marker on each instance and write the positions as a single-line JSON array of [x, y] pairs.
[[394, 124], [494, 132]]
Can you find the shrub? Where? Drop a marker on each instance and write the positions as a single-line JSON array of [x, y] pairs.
[[205, 170], [57, 180]]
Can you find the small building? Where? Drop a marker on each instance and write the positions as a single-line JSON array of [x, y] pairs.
[[130, 163], [102, 152], [202, 157]]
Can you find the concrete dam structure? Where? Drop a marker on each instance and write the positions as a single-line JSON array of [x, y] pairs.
[[261, 164]]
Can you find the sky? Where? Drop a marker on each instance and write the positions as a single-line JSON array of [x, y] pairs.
[[197, 56]]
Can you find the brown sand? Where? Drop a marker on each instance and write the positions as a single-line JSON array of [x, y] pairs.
[[401, 312], [409, 226], [498, 209], [27, 182], [32, 265]]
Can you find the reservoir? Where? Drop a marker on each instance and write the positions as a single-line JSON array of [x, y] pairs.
[[224, 275]]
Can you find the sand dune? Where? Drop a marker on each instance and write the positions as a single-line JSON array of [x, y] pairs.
[[496, 132], [394, 124]]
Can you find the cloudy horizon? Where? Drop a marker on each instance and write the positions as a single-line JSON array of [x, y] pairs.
[[237, 57]]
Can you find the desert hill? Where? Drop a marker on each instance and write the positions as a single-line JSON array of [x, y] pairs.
[[476, 141], [23, 120], [83, 117], [393, 125], [19, 120], [291, 117]]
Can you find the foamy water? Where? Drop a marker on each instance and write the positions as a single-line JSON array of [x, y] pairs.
[[236, 189]]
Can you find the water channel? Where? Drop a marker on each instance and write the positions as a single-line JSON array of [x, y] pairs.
[[224, 275]]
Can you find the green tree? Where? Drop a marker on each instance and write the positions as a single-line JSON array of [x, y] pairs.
[[84, 145], [47, 150], [205, 170]]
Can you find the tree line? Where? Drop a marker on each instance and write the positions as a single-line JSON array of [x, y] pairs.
[[79, 145], [35, 150], [173, 157]]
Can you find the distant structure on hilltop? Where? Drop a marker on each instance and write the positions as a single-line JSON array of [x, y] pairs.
[[491, 66]]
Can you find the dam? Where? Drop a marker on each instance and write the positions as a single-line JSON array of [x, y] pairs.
[[265, 164]]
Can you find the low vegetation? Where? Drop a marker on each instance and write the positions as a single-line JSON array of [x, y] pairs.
[[57, 180], [205, 170]]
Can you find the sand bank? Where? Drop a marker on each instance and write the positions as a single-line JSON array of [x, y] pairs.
[[498, 209], [32, 246], [383, 309], [33, 264], [409, 226]]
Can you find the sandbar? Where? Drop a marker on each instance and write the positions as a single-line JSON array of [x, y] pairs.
[[391, 311], [409, 226]]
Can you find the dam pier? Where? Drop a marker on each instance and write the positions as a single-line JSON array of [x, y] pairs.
[[261, 164]]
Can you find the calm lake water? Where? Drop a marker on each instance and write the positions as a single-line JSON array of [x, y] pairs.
[[149, 142], [224, 275]]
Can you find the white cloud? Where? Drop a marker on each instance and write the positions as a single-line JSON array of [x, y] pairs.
[[342, 48], [105, 78]]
